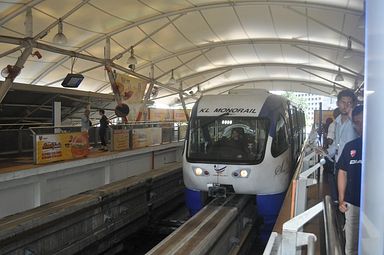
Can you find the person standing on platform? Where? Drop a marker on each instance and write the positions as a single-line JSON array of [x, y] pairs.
[[331, 128], [329, 166], [103, 129], [344, 132], [85, 121], [85, 125], [349, 184]]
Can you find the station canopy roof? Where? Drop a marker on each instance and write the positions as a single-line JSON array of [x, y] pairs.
[[210, 46]]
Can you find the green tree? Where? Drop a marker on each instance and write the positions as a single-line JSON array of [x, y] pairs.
[[298, 101]]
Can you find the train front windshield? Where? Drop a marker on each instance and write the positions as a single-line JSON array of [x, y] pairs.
[[227, 139]]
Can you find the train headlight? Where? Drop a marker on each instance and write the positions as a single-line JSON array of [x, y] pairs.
[[198, 171], [243, 173]]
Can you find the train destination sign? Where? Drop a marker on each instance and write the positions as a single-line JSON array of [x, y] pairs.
[[229, 110]]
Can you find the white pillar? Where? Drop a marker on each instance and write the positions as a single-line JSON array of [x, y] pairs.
[[57, 116], [372, 207]]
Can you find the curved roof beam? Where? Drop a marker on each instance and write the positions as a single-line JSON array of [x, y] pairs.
[[317, 68], [45, 31], [16, 13], [245, 82], [97, 39], [327, 60], [309, 84], [304, 82], [293, 42], [327, 26]]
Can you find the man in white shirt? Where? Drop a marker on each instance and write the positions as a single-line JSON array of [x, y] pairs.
[[85, 122], [343, 132]]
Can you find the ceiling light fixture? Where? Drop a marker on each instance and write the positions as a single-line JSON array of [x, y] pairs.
[[60, 38], [132, 59], [172, 80], [339, 76], [348, 51], [334, 91]]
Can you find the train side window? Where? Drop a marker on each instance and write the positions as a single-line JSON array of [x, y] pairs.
[[280, 141]]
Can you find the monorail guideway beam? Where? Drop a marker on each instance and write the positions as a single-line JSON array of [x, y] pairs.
[[219, 228]]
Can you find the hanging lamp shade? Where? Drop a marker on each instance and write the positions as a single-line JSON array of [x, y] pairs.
[[339, 76], [172, 80], [60, 37], [334, 91], [348, 52], [132, 59]]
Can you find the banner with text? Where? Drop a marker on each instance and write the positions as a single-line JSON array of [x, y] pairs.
[[179, 115], [57, 147], [156, 114], [120, 139]]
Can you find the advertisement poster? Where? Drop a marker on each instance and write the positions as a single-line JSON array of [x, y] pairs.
[[160, 114], [120, 139], [134, 111], [326, 114], [131, 89], [179, 115], [140, 138], [57, 147], [182, 131], [155, 135]]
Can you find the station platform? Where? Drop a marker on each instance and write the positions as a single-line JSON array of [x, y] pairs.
[[31, 185], [96, 221], [12, 163]]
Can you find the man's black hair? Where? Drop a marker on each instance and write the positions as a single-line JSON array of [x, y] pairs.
[[358, 109], [347, 93], [101, 111]]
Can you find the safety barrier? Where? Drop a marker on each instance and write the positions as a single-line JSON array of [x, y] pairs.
[[18, 141], [52, 144], [333, 236], [293, 238]]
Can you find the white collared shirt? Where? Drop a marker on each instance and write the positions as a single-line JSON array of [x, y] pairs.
[[344, 133], [331, 131]]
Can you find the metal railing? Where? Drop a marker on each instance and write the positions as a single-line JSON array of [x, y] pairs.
[[292, 238], [306, 178], [333, 236], [17, 141]]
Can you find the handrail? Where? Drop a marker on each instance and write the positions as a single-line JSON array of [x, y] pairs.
[[292, 237], [137, 123], [333, 237], [302, 180]]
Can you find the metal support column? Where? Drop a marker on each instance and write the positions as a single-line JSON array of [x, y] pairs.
[[147, 95], [7, 84], [183, 102]]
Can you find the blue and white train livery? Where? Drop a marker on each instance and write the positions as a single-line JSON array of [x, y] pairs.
[[246, 142]]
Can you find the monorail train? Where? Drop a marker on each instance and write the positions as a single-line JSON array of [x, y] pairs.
[[246, 142], [269, 133]]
